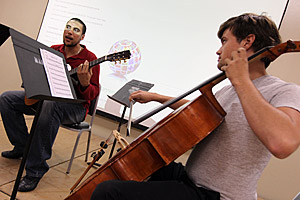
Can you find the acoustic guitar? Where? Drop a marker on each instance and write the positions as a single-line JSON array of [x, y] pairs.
[[115, 57]]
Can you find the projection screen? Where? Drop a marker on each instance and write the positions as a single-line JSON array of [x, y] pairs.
[[173, 43]]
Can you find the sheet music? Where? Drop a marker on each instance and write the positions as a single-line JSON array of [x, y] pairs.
[[56, 74]]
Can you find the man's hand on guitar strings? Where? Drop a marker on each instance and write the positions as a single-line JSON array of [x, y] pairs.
[[84, 74]]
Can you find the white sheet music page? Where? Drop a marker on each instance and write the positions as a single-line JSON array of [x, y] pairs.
[[56, 74]]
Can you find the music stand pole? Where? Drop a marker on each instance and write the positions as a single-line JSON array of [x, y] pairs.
[[26, 150], [119, 128]]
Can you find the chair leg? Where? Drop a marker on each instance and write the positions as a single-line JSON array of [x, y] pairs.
[[73, 152], [88, 146]]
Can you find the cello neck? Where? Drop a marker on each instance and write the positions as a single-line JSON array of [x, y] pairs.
[[267, 54], [215, 79]]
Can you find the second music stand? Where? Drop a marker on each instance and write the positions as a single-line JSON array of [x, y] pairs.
[[122, 97]]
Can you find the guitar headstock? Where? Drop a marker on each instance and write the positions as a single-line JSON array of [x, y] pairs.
[[119, 56]]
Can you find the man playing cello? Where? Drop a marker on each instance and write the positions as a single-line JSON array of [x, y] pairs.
[[262, 120]]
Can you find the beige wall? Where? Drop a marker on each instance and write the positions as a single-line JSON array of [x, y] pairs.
[[281, 179]]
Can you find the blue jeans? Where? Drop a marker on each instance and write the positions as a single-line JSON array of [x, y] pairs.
[[53, 114]]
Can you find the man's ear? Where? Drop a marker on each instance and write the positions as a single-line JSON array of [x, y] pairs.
[[82, 37], [248, 41]]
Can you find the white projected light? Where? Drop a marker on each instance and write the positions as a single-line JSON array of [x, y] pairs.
[[173, 43]]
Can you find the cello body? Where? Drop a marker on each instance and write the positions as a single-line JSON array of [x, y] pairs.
[[159, 145]]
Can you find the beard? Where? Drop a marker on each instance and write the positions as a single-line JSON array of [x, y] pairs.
[[220, 65], [72, 44]]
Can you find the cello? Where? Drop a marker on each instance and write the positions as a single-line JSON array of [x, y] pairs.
[[173, 135]]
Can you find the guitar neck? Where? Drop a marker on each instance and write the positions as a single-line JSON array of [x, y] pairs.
[[91, 64], [123, 55], [97, 61]]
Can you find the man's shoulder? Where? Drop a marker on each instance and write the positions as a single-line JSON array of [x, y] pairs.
[[89, 53], [57, 46]]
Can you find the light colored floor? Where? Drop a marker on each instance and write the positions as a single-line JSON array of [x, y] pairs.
[[56, 184]]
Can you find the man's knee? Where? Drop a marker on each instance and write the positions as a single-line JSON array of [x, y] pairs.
[[51, 108], [5, 99], [4, 96]]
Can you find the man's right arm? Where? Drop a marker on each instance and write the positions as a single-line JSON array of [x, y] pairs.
[[145, 97]]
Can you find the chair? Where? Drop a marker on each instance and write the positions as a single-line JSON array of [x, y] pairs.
[[82, 127], [297, 197]]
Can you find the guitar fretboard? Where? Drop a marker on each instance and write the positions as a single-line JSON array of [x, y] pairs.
[[91, 64], [123, 55]]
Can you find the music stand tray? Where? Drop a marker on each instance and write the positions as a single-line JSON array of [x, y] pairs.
[[122, 95]]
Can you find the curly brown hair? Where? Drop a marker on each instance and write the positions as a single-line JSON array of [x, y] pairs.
[[264, 29]]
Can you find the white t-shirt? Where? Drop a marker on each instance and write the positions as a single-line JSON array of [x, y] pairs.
[[231, 159]]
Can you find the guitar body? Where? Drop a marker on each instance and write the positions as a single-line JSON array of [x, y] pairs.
[[30, 102]]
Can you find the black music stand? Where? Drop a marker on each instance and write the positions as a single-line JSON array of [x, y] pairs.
[[122, 97], [34, 79]]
